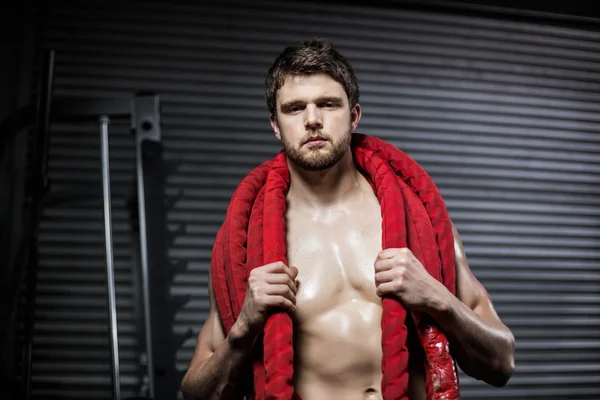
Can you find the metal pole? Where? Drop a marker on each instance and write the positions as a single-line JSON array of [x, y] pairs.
[[144, 264], [112, 307], [35, 190]]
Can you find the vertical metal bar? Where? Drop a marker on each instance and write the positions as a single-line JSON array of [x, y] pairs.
[[146, 125], [37, 186], [144, 265], [112, 307]]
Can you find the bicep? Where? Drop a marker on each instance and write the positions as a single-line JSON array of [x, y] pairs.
[[468, 288], [211, 334]]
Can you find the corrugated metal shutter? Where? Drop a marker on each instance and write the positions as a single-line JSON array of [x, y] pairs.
[[503, 115]]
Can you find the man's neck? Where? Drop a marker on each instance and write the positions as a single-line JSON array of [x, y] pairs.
[[324, 188]]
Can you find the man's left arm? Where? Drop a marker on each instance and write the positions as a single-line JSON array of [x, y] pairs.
[[482, 345]]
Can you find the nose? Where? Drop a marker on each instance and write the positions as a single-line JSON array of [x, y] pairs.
[[312, 118]]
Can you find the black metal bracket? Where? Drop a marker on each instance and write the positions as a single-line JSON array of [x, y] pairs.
[[143, 112], [152, 175], [148, 207]]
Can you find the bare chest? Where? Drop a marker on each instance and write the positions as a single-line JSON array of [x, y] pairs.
[[335, 254]]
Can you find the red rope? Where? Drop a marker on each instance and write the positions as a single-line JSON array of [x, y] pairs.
[[414, 216]]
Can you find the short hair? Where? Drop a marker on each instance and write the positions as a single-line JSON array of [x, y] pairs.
[[315, 56]]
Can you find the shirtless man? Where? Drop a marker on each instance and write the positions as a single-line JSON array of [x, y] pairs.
[[337, 271]]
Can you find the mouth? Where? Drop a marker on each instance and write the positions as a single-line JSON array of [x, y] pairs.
[[315, 141]]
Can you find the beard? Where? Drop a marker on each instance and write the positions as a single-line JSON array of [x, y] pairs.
[[317, 158]]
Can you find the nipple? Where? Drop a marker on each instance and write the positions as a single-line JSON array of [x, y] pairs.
[[372, 394]]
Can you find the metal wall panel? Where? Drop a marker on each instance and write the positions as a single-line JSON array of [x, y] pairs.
[[502, 114]]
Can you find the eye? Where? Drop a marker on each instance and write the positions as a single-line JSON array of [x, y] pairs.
[[294, 109]]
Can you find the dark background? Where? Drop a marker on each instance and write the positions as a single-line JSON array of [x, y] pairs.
[[498, 100]]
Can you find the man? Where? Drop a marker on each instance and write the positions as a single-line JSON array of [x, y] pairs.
[[338, 272]]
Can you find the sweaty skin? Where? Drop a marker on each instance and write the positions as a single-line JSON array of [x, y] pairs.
[[334, 238], [338, 319]]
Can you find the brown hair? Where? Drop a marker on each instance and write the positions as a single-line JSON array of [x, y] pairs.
[[316, 56]]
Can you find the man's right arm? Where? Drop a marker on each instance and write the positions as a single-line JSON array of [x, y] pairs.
[[217, 367], [215, 371]]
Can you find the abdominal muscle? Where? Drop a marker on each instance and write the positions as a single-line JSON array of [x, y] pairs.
[[338, 354]]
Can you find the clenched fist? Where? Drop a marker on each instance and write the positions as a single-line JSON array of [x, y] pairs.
[[269, 287], [400, 274]]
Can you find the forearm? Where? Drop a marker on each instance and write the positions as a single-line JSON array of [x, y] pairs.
[[220, 376], [483, 349]]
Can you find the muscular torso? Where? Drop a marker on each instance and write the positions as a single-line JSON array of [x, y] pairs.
[[338, 319]]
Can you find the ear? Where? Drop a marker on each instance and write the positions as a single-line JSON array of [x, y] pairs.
[[355, 115], [275, 126]]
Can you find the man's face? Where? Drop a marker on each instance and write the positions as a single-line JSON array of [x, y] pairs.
[[314, 121]]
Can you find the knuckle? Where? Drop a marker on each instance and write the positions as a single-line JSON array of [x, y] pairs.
[[398, 286]]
